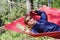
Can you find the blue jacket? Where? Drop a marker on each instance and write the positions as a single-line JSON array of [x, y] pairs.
[[42, 25]]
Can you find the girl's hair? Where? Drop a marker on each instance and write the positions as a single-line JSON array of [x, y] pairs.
[[28, 16]]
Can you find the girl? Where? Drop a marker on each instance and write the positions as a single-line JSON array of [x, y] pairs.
[[41, 25]]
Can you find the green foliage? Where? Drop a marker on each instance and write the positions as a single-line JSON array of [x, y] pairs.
[[10, 35], [17, 11]]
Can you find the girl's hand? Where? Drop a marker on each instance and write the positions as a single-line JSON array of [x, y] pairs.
[[33, 12], [27, 31]]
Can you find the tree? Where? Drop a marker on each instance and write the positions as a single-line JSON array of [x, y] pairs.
[[29, 4], [38, 3], [49, 3]]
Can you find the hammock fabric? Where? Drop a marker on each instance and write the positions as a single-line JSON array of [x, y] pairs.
[[53, 15]]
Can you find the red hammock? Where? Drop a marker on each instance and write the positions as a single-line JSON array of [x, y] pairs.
[[53, 16]]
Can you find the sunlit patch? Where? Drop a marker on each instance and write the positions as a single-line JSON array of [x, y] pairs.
[[19, 26]]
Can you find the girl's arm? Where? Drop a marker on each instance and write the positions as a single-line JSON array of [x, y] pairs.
[[42, 14]]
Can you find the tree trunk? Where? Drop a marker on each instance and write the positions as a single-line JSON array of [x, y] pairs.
[[10, 3], [38, 3], [49, 3], [29, 4]]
